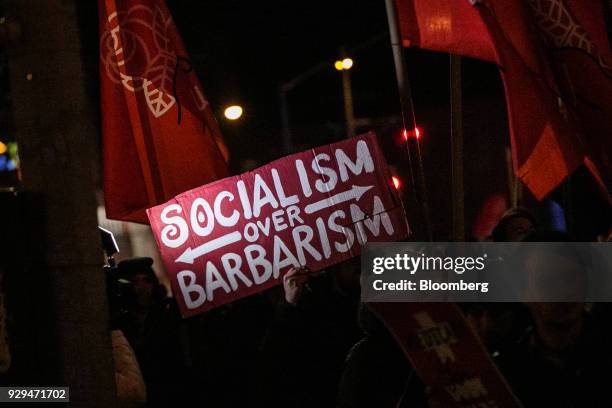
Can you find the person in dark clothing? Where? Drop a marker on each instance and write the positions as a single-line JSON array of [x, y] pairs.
[[314, 326], [155, 331], [561, 361], [506, 322], [564, 357], [376, 372], [225, 344], [514, 224]]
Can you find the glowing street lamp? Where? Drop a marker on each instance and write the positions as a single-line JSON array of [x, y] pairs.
[[233, 112], [343, 65]]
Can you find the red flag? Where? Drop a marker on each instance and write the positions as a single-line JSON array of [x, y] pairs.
[[159, 134], [547, 144], [444, 25], [575, 33]]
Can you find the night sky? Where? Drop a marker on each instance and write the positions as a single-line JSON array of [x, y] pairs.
[[243, 50]]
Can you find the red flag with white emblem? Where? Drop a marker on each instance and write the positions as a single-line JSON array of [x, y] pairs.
[[556, 112], [576, 37], [160, 137]]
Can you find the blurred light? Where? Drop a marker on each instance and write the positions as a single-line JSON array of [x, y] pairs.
[[233, 112], [29, 76], [2, 148], [416, 133], [11, 165], [397, 183], [3, 163], [343, 65], [12, 149], [347, 63], [557, 216]]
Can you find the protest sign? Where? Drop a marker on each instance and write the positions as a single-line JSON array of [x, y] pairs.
[[240, 235], [446, 354]]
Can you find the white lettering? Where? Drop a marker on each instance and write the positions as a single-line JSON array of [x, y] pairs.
[[299, 165], [278, 221], [328, 172], [281, 249], [259, 201], [251, 233], [214, 281], [233, 271], [302, 244], [373, 222], [293, 213], [188, 288], [284, 200], [244, 199], [202, 213], [350, 238], [222, 219], [364, 160], [324, 238], [259, 260], [177, 227]]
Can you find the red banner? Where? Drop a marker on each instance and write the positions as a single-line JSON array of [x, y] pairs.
[[447, 355], [240, 235], [444, 25], [159, 134], [551, 136]]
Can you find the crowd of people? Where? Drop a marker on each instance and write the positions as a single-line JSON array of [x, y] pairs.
[[310, 343]]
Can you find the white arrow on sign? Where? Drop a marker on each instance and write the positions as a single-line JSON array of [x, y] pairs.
[[354, 193], [191, 254]]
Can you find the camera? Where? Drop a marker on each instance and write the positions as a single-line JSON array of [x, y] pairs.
[[119, 290]]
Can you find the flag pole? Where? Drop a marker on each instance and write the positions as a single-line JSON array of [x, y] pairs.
[[403, 85], [456, 106]]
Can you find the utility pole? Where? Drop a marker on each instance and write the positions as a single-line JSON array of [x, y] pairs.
[[457, 148], [54, 125], [415, 162], [347, 93]]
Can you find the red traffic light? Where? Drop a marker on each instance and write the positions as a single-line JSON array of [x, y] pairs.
[[416, 133], [397, 183]]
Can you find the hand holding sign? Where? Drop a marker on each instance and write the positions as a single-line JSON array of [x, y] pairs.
[[293, 284], [237, 236]]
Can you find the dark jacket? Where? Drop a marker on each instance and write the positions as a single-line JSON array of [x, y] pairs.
[[376, 373], [303, 352], [578, 377]]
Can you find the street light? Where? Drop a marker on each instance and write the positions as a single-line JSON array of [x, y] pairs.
[[343, 65], [233, 112]]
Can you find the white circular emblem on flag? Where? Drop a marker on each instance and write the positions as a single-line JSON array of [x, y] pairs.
[[137, 52]]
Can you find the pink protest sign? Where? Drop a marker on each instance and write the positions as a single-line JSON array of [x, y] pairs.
[[238, 236]]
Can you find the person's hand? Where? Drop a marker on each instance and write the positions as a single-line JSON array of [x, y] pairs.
[[293, 284]]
